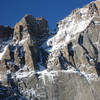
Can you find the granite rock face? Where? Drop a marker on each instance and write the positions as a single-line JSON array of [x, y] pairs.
[[35, 27], [58, 85], [77, 41], [83, 52], [23, 49], [38, 65]]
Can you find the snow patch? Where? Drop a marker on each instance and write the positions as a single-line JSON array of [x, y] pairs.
[[23, 41], [50, 75], [83, 10], [24, 74], [4, 47], [2, 53], [90, 76]]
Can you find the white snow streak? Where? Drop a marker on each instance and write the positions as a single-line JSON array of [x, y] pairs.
[[2, 53]]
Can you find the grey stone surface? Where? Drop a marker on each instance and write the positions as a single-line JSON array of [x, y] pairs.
[[28, 71], [58, 85]]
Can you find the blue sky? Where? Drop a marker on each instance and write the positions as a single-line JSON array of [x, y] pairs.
[[11, 11]]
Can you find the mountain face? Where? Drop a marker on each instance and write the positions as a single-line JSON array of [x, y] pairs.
[[36, 64]]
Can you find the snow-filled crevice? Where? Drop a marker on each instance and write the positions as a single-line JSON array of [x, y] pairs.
[[4, 46], [40, 64]]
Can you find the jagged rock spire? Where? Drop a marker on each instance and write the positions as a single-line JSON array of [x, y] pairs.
[[23, 49]]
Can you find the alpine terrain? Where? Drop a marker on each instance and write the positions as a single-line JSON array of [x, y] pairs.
[[39, 64]]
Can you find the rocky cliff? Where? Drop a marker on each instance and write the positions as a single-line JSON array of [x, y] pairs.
[[38, 65]]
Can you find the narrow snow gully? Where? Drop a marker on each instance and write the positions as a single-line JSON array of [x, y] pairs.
[[40, 64], [4, 47]]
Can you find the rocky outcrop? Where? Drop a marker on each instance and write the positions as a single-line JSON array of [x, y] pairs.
[[35, 27], [38, 65], [23, 49], [84, 51], [77, 41]]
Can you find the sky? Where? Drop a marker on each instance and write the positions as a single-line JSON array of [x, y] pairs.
[[11, 11]]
